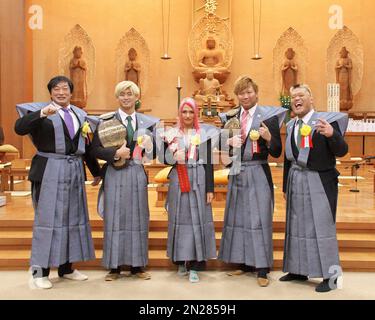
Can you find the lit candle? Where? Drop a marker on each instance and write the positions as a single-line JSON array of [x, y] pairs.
[[178, 82]]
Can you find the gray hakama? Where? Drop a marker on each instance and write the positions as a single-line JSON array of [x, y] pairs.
[[247, 232], [61, 231], [191, 232], [311, 247], [126, 217], [123, 204]]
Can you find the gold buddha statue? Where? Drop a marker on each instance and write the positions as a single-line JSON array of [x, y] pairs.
[[211, 58], [209, 88]]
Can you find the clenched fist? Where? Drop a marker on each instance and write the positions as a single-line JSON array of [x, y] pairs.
[[49, 110]]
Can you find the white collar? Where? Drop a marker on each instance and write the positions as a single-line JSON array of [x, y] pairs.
[[124, 115], [307, 116], [251, 110], [69, 107]]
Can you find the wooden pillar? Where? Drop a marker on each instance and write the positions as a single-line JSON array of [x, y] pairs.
[[15, 83]]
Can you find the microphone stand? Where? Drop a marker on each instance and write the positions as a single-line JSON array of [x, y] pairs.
[[355, 167]]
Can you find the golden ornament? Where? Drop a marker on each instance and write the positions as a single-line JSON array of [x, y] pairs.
[[196, 140], [85, 129], [140, 140], [305, 130], [254, 135]]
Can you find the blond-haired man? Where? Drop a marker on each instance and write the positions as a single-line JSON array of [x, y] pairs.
[[247, 233], [123, 197]]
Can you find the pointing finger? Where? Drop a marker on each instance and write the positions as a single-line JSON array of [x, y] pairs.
[[264, 125], [323, 121]]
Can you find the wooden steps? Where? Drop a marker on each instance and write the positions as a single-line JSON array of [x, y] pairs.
[[21, 239], [351, 261], [160, 223], [356, 242], [355, 228]]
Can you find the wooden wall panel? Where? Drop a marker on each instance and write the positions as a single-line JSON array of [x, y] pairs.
[[370, 144], [12, 61], [355, 143]]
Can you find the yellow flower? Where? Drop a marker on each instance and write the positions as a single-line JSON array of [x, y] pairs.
[[254, 135], [140, 140], [196, 140], [85, 129], [305, 130]]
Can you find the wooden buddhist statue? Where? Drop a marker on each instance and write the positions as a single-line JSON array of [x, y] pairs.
[[344, 67], [289, 71], [78, 75], [132, 67]]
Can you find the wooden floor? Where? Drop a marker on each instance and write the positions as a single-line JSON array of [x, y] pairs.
[[355, 226]]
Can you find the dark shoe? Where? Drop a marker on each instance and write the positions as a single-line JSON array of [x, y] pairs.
[[262, 273], [135, 270], [324, 286], [65, 269], [247, 268], [292, 276], [113, 275]]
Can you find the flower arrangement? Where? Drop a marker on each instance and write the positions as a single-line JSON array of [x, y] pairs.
[[305, 130], [85, 129], [285, 101], [254, 135], [196, 140], [138, 105], [306, 141]]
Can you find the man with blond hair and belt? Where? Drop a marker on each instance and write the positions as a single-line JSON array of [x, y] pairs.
[[123, 197]]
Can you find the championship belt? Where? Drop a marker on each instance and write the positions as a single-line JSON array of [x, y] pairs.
[[112, 133], [232, 124]]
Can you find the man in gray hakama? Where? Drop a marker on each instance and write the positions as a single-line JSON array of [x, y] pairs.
[[123, 197], [247, 233], [313, 141], [61, 232]]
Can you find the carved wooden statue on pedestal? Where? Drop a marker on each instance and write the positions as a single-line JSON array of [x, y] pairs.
[[133, 68], [344, 67], [78, 75], [289, 71], [210, 94], [211, 58], [209, 87]]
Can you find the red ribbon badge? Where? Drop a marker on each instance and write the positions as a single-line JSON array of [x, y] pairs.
[[254, 136], [306, 141]]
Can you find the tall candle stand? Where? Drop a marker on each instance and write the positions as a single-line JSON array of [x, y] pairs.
[[178, 97]]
